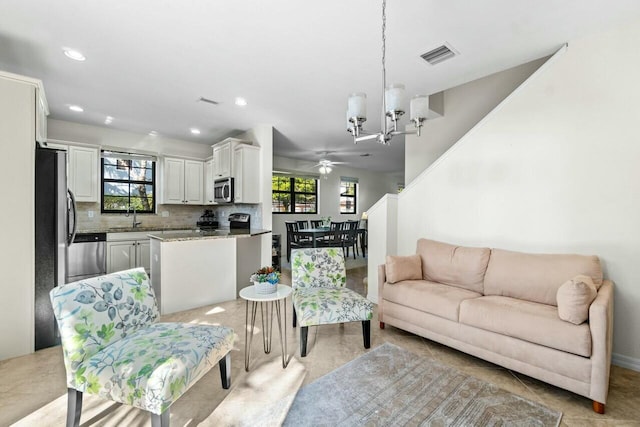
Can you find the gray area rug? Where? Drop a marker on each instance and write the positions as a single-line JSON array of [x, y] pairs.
[[390, 386]]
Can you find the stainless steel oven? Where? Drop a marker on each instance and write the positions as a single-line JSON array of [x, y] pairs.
[[223, 190]]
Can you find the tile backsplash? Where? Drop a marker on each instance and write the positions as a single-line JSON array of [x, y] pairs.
[[178, 216]]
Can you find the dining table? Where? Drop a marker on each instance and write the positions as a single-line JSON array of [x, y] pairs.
[[314, 233]]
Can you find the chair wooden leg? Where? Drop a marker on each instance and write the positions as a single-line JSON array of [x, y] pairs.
[[161, 420], [74, 407], [381, 325], [598, 407], [225, 371], [366, 333], [304, 331]]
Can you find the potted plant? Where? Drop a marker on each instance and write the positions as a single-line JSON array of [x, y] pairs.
[[265, 280]]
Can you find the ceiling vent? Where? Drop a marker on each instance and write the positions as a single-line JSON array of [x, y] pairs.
[[439, 54], [208, 101]]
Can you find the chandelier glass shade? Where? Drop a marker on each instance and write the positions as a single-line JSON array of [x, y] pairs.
[[393, 105]]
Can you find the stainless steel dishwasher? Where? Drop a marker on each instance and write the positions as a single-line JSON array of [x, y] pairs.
[[86, 256]]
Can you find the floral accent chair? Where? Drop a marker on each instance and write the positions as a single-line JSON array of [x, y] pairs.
[[318, 277], [114, 348]]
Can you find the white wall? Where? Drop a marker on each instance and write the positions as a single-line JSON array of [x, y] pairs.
[[383, 239], [464, 107], [262, 135], [371, 187], [553, 169]]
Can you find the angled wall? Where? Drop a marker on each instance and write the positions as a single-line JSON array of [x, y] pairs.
[[554, 168]]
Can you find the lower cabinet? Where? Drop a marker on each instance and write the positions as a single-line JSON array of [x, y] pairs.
[[126, 254]]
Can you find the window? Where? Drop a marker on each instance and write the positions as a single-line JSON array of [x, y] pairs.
[[348, 194], [291, 194], [128, 181]]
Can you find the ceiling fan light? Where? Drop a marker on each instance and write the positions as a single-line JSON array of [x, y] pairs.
[[325, 170], [394, 97], [419, 107], [357, 105]]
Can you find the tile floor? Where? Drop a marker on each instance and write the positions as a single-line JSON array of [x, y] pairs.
[[33, 392]]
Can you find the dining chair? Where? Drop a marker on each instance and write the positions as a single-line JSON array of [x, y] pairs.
[[350, 237], [295, 239], [114, 347], [316, 223], [302, 224], [318, 279], [334, 237]]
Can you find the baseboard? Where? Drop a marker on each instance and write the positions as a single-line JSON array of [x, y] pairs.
[[626, 362]]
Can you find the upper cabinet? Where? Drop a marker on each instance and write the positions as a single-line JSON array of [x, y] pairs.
[[223, 153], [246, 172], [42, 111], [83, 173], [182, 181], [208, 183]]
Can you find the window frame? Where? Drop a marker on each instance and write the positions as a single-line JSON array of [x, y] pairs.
[[153, 183], [348, 183], [292, 194]]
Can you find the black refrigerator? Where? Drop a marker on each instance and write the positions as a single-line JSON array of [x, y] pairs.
[[54, 229]]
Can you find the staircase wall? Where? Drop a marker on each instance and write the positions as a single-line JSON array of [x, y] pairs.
[[554, 168]]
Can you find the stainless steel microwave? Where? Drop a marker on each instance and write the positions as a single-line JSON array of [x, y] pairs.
[[223, 190]]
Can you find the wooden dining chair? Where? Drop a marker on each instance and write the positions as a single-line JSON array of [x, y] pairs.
[[302, 224], [316, 223], [335, 237], [292, 228]]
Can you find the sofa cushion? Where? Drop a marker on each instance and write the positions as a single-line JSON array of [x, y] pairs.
[[459, 266], [528, 321], [574, 298], [403, 268], [536, 277], [435, 298]]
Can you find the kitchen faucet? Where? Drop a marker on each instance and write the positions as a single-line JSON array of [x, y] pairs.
[[135, 223]]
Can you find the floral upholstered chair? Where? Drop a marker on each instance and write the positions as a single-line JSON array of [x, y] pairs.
[[114, 348], [318, 278]]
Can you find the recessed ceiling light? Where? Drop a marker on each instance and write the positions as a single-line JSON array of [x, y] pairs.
[[76, 108], [241, 101], [108, 120], [153, 133], [74, 54], [195, 131]]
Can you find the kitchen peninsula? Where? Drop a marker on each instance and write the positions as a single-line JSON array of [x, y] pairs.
[[190, 270]]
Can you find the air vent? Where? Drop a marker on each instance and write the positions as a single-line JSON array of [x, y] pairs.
[[438, 55], [208, 101]]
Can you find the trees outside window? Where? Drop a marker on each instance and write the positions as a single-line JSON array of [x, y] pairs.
[[348, 195], [292, 194], [128, 182]]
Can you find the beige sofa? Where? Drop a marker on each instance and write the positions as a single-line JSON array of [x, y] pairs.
[[501, 306]]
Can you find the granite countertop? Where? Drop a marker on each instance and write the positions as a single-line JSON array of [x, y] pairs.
[[222, 233], [137, 229]]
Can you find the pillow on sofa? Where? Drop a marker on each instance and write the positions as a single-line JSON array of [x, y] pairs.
[[574, 298], [400, 268]]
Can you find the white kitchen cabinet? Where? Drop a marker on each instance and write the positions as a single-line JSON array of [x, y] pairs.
[[42, 111], [126, 254], [208, 182], [222, 160], [183, 181], [18, 126], [223, 157], [83, 173], [246, 173]]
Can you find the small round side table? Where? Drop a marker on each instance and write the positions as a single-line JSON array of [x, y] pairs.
[[267, 303]]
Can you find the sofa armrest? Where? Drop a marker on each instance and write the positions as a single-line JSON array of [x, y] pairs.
[[601, 325], [382, 278]]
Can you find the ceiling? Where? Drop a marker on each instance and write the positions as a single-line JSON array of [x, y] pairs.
[[295, 62]]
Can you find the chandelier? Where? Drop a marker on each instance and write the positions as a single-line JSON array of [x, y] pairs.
[[393, 101]]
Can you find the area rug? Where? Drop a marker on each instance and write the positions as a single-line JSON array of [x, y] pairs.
[[390, 386]]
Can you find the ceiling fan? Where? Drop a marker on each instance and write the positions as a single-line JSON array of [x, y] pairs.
[[325, 165]]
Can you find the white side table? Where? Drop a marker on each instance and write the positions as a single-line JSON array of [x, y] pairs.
[[267, 303]]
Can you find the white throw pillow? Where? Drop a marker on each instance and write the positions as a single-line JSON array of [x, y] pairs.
[[574, 298]]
